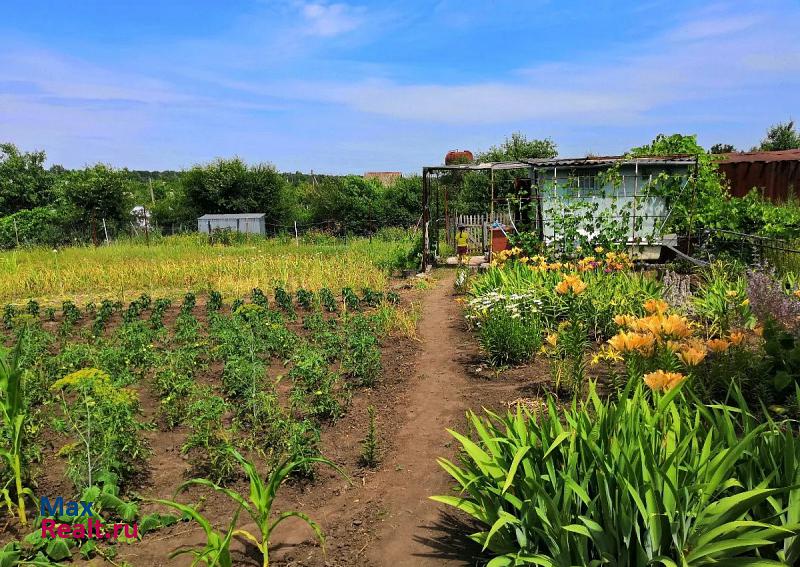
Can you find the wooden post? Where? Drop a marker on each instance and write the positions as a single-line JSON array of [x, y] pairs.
[[296, 236]]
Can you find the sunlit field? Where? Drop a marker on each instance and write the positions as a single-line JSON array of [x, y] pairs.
[[174, 265]]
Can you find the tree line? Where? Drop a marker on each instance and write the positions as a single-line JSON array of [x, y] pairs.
[[43, 205], [52, 205]]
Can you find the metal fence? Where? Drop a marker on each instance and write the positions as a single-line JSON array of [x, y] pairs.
[[751, 249]]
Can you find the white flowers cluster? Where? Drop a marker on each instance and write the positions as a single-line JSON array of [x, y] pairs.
[[516, 304]]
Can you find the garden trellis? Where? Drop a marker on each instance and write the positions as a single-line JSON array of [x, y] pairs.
[[561, 198]]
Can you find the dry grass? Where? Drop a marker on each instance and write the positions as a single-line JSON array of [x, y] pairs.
[[178, 264]]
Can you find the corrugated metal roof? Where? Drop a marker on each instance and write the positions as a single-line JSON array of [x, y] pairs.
[[742, 157], [212, 216], [593, 161], [599, 161]]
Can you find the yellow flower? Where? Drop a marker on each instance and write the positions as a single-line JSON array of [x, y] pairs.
[[656, 306], [736, 337], [606, 354], [552, 339], [663, 381], [745, 303], [731, 293], [796, 293], [598, 249], [718, 345], [692, 356]]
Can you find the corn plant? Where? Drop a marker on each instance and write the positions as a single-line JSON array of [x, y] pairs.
[[14, 417], [645, 480], [217, 550], [258, 506]]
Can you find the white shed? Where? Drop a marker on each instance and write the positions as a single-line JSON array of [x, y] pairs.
[[251, 223]]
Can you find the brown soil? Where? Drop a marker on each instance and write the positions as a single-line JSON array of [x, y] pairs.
[[381, 516]]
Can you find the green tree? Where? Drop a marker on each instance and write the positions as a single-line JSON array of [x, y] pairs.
[[781, 136], [472, 191], [721, 149], [518, 146], [351, 201], [231, 186], [401, 204], [93, 194], [24, 182]]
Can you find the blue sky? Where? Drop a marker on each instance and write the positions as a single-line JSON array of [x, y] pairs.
[[355, 86]]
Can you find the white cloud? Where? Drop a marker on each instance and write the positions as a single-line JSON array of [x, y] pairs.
[[330, 20], [710, 56], [708, 26]]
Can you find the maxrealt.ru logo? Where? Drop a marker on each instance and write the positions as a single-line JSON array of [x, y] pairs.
[[83, 522]]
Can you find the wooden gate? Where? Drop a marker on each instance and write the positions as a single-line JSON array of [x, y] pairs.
[[478, 226]]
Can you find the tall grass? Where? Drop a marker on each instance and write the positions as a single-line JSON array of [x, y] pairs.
[[175, 264]]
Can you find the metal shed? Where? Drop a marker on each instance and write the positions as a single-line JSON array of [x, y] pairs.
[[250, 223]]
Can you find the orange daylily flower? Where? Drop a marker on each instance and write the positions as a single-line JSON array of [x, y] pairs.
[[623, 320], [656, 306], [736, 338], [718, 345], [675, 326], [692, 356], [663, 381], [571, 283]]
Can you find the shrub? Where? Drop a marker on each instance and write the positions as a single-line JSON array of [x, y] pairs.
[[648, 479], [507, 339]]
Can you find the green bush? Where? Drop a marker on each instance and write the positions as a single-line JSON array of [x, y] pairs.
[[639, 481], [508, 339], [41, 226]]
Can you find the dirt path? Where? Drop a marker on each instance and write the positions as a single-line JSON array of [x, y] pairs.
[[437, 399]]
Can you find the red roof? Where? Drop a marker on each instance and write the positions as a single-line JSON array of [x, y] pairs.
[[780, 155]]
